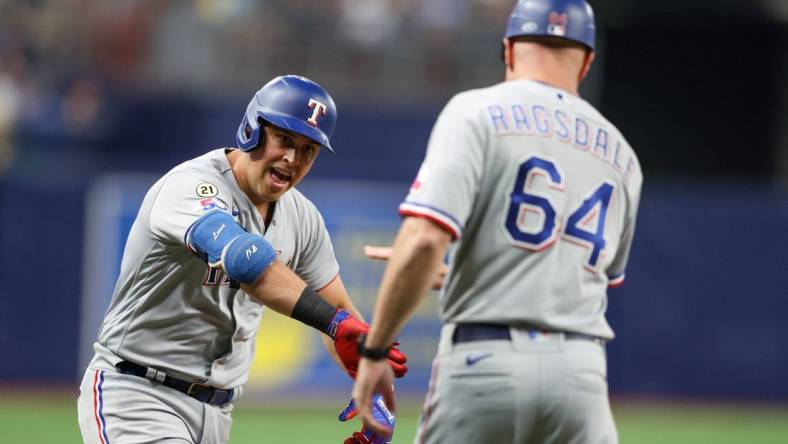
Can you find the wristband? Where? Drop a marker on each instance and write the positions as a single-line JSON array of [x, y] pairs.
[[313, 310], [374, 354]]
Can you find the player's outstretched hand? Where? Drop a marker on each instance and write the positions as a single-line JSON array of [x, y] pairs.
[[345, 329], [384, 253], [379, 253], [382, 416]]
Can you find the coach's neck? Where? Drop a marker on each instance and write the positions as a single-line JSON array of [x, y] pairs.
[[560, 65]]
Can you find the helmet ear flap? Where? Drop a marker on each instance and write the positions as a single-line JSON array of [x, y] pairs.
[[248, 133], [260, 132]]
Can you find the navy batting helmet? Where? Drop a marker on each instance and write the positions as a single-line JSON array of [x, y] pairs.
[[293, 103], [566, 19]]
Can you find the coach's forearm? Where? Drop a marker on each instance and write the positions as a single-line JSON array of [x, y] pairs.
[[277, 288], [418, 254]]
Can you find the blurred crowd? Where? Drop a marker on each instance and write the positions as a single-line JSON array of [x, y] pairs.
[[63, 61]]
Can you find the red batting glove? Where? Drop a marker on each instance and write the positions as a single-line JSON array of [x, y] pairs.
[[358, 438], [345, 330]]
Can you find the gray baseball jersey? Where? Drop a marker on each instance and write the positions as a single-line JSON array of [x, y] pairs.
[[542, 193], [169, 310]]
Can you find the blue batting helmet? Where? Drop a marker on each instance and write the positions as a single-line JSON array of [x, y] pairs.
[[293, 103], [566, 19]]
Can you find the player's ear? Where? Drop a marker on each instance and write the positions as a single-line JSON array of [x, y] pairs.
[[506, 53], [587, 61]]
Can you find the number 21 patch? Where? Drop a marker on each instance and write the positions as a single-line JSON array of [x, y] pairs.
[[206, 189]]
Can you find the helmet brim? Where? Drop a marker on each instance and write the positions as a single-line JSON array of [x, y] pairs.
[[299, 126]]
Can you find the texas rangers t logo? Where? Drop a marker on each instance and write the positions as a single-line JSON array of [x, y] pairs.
[[318, 108]]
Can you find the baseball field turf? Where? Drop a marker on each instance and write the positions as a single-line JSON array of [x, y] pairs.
[[52, 419]]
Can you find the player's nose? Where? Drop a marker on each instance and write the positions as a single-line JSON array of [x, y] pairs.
[[290, 155]]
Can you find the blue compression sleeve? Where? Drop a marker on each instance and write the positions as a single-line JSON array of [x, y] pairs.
[[209, 235], [246, 257], [219, 240]]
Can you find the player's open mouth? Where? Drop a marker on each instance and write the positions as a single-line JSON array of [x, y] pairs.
[[280, 177]]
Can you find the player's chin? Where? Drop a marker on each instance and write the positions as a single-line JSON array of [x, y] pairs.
[[274, 194]]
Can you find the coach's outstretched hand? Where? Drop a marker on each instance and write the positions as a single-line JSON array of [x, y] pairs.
[[346, 330], [381, 414], [384, 253]]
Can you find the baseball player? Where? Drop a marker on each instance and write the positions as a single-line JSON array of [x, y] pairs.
[[217, 239], [537, 193]]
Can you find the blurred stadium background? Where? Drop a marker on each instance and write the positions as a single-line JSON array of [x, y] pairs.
[[98, 98]]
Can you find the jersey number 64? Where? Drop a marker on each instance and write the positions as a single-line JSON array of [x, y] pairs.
[[543, 237]]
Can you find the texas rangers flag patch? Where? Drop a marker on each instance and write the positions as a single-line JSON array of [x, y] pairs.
[[420, 180], [212, 203]]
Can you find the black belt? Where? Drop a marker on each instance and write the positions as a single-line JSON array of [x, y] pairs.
[[494, 332], [197, 390]]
